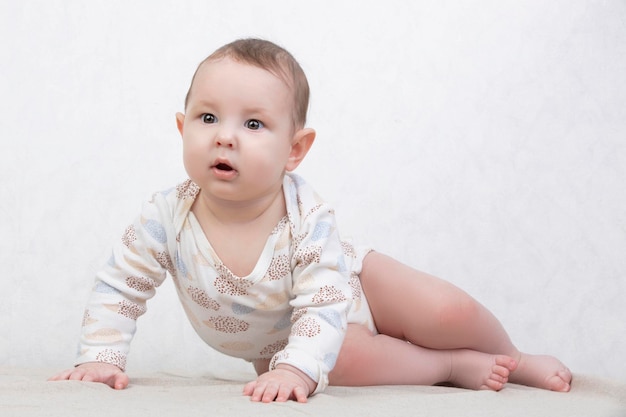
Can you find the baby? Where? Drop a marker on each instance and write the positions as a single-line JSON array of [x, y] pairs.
[[262, 272]]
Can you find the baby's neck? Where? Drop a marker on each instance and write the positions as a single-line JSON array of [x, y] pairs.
[[233, 213]]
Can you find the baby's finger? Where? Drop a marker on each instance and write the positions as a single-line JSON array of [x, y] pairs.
[[120, 381], [258, 392], [285, 393], [77, 375], [61, 376], [248, 389], [300, 394], [269, 393]]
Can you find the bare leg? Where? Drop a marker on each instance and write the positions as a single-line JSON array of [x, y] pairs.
[[410, 305], [367, 359], [261, 366]]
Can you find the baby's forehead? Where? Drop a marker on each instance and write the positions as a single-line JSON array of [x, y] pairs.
[[279, 70], [215, 69]]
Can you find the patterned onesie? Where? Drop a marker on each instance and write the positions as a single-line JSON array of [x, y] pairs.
[[293, 308]]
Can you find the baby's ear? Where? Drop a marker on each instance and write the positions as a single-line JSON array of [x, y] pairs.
[[301, 143], [180, 121]]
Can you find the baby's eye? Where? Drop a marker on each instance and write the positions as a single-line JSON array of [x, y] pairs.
[[209, 118], [254, 124]]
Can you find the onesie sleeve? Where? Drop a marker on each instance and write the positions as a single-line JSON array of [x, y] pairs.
[[137, 265], [321, 297]]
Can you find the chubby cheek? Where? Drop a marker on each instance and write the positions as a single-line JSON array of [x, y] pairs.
[[267, 165], [193, 161]]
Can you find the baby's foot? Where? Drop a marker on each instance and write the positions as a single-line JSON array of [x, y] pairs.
[[480, 371], [542, 371]]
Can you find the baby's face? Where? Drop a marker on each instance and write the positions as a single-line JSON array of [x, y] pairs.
[[237, 130]]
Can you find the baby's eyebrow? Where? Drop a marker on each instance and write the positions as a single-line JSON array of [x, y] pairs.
[[202, 103], [258, 110]]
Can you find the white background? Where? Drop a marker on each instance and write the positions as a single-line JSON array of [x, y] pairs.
[[484, 142]]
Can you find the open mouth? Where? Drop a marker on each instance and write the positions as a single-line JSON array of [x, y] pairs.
[[223, 167]]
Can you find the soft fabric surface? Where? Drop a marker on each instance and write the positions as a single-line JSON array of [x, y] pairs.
[[27, 393]]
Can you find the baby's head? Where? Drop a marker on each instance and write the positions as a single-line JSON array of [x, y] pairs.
[[270, 57]]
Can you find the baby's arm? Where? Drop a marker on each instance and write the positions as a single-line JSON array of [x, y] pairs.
[[118, 298], [320, 297], [283, 383], [95, 372]]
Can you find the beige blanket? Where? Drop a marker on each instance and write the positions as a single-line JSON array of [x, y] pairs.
[[25, 392]]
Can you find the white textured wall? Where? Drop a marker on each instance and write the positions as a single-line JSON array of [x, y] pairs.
[[484, 142]]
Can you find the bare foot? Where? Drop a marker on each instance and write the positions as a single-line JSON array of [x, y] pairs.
[[542, 371], [480, 371]]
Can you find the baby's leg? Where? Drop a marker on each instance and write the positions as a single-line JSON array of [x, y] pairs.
[[367, 359], [261, 366], [429, 312]]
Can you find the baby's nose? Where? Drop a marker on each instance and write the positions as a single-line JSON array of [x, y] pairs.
[[225, 138]]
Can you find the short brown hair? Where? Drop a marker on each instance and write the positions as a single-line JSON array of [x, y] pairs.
[[270, 57]]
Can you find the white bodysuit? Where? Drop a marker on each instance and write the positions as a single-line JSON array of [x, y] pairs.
[[293, 308]]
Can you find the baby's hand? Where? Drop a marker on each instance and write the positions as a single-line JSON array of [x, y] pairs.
[[95, 372], [283, 383]]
